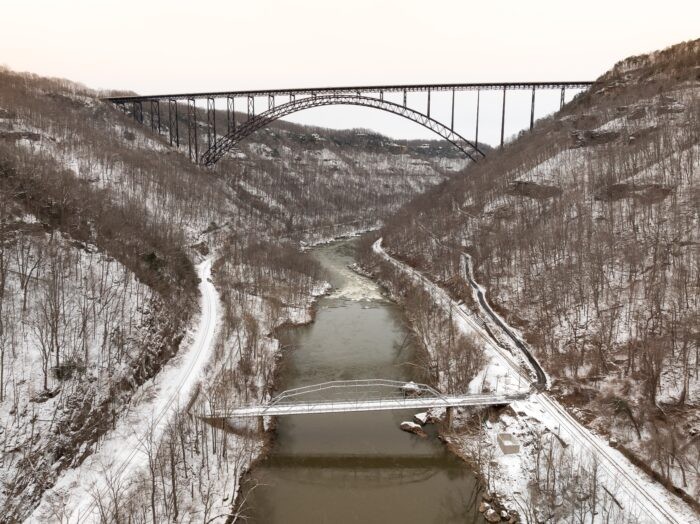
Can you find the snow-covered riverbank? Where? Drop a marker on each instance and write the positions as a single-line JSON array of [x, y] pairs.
[[123, 450], [630, 492]]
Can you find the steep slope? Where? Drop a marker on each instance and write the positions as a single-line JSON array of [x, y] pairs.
[[314, 182], [586, 234], [89, 281], [101, 225]]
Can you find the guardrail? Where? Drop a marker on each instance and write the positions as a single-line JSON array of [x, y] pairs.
[[405, 395]]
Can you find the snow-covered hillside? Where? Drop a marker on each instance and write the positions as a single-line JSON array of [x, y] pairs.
[[102, 225], [586, 233]]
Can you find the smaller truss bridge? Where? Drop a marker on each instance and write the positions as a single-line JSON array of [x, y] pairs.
[[343, 396]]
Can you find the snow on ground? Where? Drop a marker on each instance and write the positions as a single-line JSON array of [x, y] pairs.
[[99, 298], [551, 172], [635, 490], [126, 184], [122, 453], [674, 173], [265, 197], [137, 136], [330, 159], [453, 163], [640, 115], [639, 495], [503, 372], [262, 150]]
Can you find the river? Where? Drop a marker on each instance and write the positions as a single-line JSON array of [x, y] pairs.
[[355, 467]]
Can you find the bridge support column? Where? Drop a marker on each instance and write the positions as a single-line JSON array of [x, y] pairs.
[[503, 115], [428, 103], [448, 417], [404, 98], [138, 112], [230, 114], [251, 106], [561, 101], [155, 115], [261, 424], [476, 138], [192, 130], [532, 110], [211, 122], [452, 122], [173, 126]]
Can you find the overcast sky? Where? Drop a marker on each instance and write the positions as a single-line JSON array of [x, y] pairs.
[[152, 46]]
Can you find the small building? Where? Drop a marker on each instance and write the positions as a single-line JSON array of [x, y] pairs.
[[508, 443]]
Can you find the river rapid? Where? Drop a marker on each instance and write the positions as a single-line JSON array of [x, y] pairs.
[[355, 467]]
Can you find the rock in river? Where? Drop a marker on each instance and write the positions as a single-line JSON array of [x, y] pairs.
[[492, 515], [421, 418], [412, 427]]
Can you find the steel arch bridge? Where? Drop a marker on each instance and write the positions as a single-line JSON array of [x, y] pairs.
[[228, 142], [203, 121]]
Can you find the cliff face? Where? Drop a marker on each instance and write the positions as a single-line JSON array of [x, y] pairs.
[[586, 233]]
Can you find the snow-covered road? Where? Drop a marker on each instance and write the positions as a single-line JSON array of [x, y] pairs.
[[643, 498], [122, 452]]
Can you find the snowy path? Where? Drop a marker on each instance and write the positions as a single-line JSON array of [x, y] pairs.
[[644, 498], [469, 322], [122, 453]]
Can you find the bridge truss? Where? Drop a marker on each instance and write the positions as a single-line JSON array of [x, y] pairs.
[[190, 120], [342, 396]]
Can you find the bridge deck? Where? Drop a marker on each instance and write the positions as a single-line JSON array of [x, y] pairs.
[[219, 144], [468, 86], [344, 406]]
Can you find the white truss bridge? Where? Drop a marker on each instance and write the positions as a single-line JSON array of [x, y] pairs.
[[343, 396]]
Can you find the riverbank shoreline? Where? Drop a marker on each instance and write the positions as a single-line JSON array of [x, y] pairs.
[[445, 434], [540, 424], [367, 298], [269, 434]]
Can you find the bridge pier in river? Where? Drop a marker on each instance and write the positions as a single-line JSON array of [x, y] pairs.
[[448, 417]]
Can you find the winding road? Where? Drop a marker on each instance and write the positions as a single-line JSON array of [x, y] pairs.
[[123, 451], [641, 496]]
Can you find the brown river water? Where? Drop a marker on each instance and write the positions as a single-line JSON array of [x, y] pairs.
[[355, 467]]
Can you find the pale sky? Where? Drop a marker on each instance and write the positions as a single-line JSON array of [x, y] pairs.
[[154, 46]]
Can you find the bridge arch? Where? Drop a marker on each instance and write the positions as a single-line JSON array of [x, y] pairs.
[[241, 132], [374, 395]]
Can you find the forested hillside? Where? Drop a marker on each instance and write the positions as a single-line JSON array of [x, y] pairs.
[[584, 231], [101, 225], [586, 234]]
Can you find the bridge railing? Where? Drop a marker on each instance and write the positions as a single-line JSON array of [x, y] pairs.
[[437, 401], [382, 394], [404, 387]]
